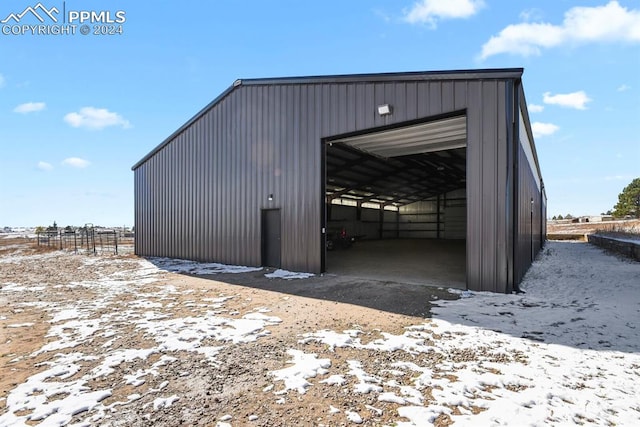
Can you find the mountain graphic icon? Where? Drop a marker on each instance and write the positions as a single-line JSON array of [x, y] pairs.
[[38, 11]]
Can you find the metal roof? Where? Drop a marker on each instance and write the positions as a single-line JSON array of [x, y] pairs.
[[478, 74]]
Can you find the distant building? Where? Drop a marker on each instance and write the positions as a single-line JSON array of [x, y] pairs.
[[598, 218]]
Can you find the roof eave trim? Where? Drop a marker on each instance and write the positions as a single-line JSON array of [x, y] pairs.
[[491, 73]]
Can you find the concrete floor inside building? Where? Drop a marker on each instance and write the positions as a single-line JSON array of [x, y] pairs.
[[430, 262]]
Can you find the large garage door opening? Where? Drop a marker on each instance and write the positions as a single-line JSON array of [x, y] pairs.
[[395, 203]]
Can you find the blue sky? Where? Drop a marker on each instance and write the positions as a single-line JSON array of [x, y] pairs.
[[77, 111]]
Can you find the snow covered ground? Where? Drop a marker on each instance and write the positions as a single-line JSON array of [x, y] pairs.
[[63, 388], [566, 352], [125, 342]]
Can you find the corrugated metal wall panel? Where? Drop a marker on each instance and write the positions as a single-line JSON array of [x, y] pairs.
[[448, 96], [435, 98], [455, 214], [201, 195], [474, 187], [486, 193], [489, 166], [455, 222], [460, 95], [530, 209], [501, 189]]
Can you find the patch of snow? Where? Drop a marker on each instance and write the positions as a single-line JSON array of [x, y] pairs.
[[304, 366], [68, 314], [331, 338], [70, 334], [33, 395], [391, 398], [13, 287], [165, 402], [20, 325], [16, 258], [145, 304], [198, 268], [375, 410], [411, 342], [354, 417], [261, 317], [288, 275], [420, 416], [334, 380], [114, 359], [368, 383]]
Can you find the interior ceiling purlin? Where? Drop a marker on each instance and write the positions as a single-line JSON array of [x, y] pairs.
[[400, 166]]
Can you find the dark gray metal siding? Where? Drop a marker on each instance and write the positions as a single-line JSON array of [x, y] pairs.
[[531, 218], [531, 202], [486, 193], [199, 195]]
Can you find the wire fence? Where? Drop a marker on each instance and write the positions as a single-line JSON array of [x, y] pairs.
[[87, 239]]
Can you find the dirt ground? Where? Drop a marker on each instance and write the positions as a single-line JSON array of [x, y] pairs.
[[38, 288]]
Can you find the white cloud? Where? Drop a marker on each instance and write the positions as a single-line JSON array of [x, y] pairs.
[[608, 23], [534, 108], [524, 39], [96, 118], [430, 11], [543, 129], [2, 81], [531, 15], [623, 88], [577, 100], [30, 107], [44, 166], [76, 162]]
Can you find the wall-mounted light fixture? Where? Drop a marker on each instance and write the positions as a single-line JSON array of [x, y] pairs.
[[385, 109], [270, 198]]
